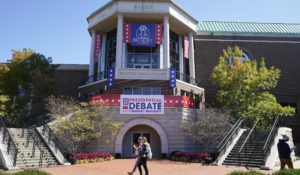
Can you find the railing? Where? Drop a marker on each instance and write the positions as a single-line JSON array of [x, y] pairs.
[[53, 140], [95, 77], [186, 78], [270, 140], [247, 138], [32, 133], [7, 140], [229, 137]]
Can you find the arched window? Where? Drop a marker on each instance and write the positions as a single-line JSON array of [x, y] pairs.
[[246, 55]]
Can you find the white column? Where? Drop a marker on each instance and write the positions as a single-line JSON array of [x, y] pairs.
[[161, 56], [181, 67], [91, 65], [119, 41], [102, 57], [191, 55], [166, 42]]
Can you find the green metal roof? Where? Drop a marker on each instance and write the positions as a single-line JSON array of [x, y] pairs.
[[249, 28]]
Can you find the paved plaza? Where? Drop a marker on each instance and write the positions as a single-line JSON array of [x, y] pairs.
[[156, 167]]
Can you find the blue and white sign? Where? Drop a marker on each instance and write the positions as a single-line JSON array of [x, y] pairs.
[[143, 35], [142, 104], [111, 77], [172, 80]]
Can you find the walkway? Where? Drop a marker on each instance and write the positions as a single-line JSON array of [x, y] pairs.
[[157, 167]]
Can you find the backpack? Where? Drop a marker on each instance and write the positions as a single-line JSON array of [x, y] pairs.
[[149, 151]]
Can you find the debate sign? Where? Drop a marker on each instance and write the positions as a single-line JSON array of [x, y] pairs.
[[142, 104]]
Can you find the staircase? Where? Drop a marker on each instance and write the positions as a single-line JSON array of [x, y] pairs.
[[251, 154], [32, 151]]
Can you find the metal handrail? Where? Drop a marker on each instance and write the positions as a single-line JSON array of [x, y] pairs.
[[271, 132], [270, 139], [231, 135], [95, 77], [10, 143], [248, 135], [187, 78], [52, 138], [229, 132]]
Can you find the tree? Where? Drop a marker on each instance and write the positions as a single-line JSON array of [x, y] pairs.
[[244, 87], [28, 79], [4, 105], [77, 124], [209, 127]]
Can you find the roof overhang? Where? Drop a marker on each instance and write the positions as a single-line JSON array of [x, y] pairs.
[[152, 10]]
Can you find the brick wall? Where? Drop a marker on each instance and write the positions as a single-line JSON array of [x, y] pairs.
[[281, 52]]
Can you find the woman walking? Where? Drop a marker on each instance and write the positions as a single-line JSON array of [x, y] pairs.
[[137, 153]]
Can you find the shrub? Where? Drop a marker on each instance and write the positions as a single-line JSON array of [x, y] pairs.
[[29, 172], [288, 172], [91, 157], [190, 157], [246, 173]]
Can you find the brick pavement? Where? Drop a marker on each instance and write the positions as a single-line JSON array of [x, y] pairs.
[[156, 167]]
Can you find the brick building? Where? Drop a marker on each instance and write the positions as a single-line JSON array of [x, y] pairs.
[[136, 47]]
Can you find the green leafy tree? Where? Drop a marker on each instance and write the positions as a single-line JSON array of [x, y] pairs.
[[27, 79], [244, 87], [77, 124]]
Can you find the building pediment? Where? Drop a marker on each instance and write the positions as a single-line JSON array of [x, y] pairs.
[[149, 9]]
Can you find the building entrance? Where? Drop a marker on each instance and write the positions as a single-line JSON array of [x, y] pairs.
[[132, 135]]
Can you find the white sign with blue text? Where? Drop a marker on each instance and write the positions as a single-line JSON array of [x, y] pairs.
[[142, 104]]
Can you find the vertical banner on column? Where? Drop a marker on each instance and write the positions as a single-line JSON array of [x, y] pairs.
[[186, 47], [127, 32], [158, 34], [111, 77], [172, 79], [97, 46]]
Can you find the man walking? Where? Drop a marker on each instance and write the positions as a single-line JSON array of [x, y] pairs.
[[284, 152]]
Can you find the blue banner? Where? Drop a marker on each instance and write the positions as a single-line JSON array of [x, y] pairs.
[[111, 77], [172, 79], [143, 35]]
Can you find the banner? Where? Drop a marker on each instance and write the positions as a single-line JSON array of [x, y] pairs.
[[145, 35], [97, 46], [186, 47], [142, 104], [111, 77], [172, 79]]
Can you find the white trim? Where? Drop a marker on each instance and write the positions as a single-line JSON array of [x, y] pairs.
[[93, 83], [192, 56], [190, 84], [247, 41], [91, 65], [119, 42], [142, 121], [166, 43]]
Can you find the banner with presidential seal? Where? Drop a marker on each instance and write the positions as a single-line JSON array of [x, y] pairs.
[[145, 35]]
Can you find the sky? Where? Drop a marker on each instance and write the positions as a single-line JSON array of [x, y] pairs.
[[58, 28]]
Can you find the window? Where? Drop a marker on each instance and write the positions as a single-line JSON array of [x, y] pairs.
[[246, 55], [110, 50], [142, 91], [142, 57], [174, 50]]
